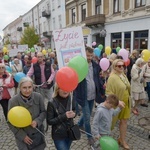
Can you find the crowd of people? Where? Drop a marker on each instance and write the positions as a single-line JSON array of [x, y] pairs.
[[115, 101]]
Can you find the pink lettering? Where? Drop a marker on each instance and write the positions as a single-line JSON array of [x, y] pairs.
[[61, 36]]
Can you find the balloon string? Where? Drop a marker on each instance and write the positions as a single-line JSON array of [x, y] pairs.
[[40, 132], [71, 96], [87, 133]]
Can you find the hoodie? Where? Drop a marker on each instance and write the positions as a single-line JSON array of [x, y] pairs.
[[103, 119]]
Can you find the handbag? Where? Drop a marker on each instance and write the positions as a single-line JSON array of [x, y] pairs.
[[74, 132]]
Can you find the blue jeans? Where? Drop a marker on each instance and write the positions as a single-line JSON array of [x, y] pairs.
[[63, 144], [85, 118]]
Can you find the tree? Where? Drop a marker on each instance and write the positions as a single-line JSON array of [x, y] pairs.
[[29, 37], [7, 42]]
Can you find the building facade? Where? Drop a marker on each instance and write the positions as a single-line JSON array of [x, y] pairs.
[[113, 23], [127, 24], [45, 17]]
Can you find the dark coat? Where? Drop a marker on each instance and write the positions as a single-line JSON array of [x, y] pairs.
[[56, 116], [80, 93]]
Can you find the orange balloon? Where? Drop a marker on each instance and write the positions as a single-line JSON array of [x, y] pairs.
[[127, 62], [34, 60], [67, 79]]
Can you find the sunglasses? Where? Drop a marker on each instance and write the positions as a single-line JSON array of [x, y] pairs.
[[119, 66]]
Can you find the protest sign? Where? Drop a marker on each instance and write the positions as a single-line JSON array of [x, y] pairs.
[[69, 43]]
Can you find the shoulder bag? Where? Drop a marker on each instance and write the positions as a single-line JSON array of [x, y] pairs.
[[74, 130]]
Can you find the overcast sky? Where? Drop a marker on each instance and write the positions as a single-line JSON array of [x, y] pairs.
[[12, 9]]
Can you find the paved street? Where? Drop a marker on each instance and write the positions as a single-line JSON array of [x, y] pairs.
[[137, 134]]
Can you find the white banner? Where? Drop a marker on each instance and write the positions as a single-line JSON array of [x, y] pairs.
[[13, 52], [37, 48], [22, 48]]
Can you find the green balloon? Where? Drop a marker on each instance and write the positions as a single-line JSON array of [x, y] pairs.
[[6, 57], [108, 143], [49, 50], [80, 65], [32, 49], [118, 49], [27, 52], [100, 46]]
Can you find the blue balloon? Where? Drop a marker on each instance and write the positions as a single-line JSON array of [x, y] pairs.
[[97, 52], [8, 69], [18, 76]]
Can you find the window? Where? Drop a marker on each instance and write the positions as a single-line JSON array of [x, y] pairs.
[[53, 5], [41, 28], [73, 15], [115, 40], [83, 12], [141, 40], [36, 29], [48, 7], [53, 23], [59, 3], [140, 3], [127, 39], [60, 23], [44, 26], [117, 6], [97, 6]]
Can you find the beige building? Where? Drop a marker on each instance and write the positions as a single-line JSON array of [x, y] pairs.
[[123, 23]]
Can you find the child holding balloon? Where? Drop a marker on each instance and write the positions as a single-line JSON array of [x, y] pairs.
[[103, 117]]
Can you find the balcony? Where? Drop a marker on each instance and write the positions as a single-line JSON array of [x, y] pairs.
[[47, 34], [95, 20], [26, 24], [45, 14], [19, 29]]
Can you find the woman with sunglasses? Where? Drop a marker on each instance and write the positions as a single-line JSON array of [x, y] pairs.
[[119, 85]]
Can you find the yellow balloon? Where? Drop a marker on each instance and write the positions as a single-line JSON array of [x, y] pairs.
[[19, 116], [145, 55], [108, 50], [44, 52], [5, 50]]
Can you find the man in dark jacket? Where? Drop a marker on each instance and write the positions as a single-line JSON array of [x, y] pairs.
[[87, 91], [43, 72]]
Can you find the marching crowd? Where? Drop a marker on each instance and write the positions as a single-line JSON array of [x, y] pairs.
[[116, 92]]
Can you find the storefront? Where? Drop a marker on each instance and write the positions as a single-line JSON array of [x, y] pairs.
[[131, 34]]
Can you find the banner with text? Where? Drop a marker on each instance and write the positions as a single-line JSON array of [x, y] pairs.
[[22, 48], [69, 43]]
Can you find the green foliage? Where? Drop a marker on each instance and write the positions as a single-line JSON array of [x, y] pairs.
[[7, 42], [29, 37]]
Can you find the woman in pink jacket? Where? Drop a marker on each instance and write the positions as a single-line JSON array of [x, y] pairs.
[[6, 88]]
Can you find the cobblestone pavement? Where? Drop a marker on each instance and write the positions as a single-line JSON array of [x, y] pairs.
[[137, 134]]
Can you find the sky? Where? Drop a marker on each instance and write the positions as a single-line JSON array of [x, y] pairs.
[[12, 9]]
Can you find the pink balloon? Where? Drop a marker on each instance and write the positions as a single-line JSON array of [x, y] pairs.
[[104, 64], [94, 43], [124, 53]]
